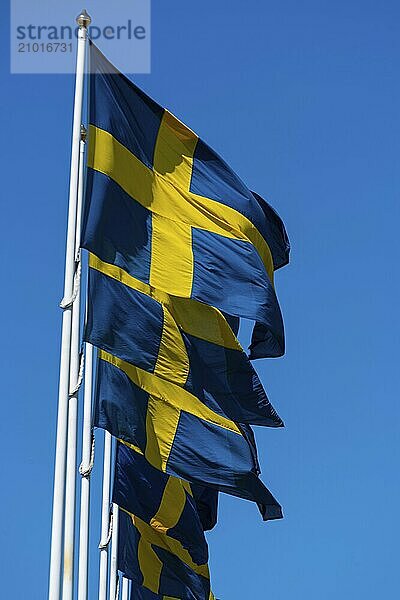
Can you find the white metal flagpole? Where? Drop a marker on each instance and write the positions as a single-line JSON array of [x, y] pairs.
[[83, 21], [75, 378], [85, 470], [86, 466], [114, 553], [125, 589], [70, 485], [87, 462], [105, 517]]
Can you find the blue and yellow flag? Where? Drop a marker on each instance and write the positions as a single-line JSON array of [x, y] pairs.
[[158, 564], [173, 396], [162, 547], [178, 434], [183, 341], [165, 208], [160, 499]]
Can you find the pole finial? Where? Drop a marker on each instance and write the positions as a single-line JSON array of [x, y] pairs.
[[83, 19]]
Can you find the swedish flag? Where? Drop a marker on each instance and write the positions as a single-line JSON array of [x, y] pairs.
[[158, 564], [177, 339], [178, 434], [162, 547], [172, 396], [165, 208]]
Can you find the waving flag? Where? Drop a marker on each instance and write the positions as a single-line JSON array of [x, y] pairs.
[[168, 210], [158, 564], [161, 542], [182, 341], [178, 434], [177, 405], [173, 506]]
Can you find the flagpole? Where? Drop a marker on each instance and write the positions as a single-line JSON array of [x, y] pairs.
[[86, 465], [75, 382], [105, 517], [114, 553], [85, 470], [83, 21], [87, 457], [125, 589]]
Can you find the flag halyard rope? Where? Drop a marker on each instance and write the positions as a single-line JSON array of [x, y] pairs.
[[104, 543], [85, 470], [79, 381], [68, 302]]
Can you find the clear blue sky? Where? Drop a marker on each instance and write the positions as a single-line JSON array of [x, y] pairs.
[[303, 99]]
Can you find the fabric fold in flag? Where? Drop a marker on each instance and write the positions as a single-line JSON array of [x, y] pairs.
[[177, 433], [162, 547], [178, 339], [170, 505], [157, 565], [154, 392], [163, 206]]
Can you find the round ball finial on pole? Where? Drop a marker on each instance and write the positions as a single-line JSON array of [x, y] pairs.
[[83, 19]]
